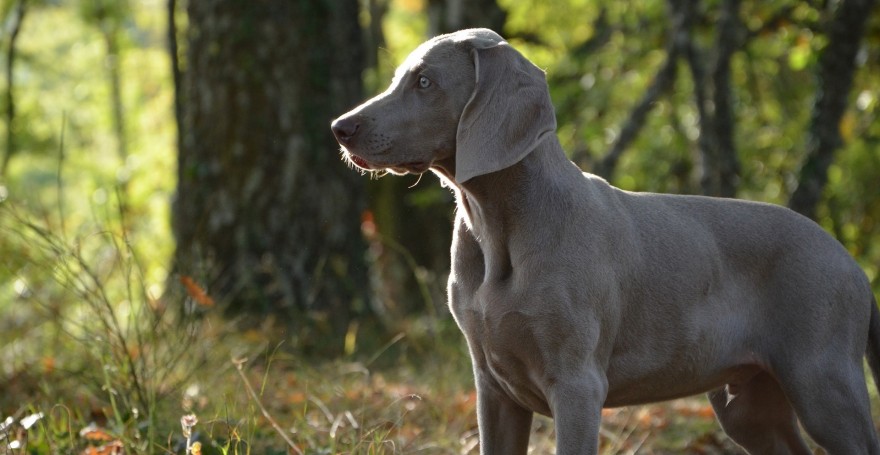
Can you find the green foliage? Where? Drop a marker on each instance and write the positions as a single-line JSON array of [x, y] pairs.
[[89, 333], [62, 95]]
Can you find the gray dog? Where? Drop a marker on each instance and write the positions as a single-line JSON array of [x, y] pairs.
[[574, 295]]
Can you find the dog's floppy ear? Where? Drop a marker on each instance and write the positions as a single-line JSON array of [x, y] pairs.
[[507, 116]]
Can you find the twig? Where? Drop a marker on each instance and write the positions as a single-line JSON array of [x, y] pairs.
[[238, 364], [661, 83], [10, 99]]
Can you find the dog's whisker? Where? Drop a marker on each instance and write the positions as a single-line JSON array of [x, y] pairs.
[[417, 181]]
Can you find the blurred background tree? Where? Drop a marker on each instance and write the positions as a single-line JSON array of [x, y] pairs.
[[264, 211], [774, 101]]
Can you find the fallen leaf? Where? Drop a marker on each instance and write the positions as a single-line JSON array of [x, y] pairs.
[[465, 402], [196, 292], [111, 448], [296, 398], [48, 364], [703, 411], [93, 432]]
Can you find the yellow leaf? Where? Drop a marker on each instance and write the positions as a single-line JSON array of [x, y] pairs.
[[412, 6], [93, 432]]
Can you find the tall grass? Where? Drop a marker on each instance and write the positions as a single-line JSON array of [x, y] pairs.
[[99, 362], [96, 326]]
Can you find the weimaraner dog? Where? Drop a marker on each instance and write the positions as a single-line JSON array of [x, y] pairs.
[[575, 295]]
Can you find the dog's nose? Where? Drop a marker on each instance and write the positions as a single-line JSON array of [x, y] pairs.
[[345, 129]]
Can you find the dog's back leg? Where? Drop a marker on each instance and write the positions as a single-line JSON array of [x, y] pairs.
[[831, 400], [758, 417]]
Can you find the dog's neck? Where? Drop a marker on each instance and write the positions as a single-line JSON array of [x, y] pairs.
[[500, 205]]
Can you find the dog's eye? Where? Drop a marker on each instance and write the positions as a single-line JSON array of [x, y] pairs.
[[424, 82]]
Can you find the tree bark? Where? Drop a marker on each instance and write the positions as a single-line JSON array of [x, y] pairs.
[[176, 74], [837, 65], [265, 211]]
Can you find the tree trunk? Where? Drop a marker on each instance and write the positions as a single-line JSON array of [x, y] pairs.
[[445, 16], [374, 38], [266, 213], [837, 65], [726, 169], [10, 85], [176, 74], [712, 94]]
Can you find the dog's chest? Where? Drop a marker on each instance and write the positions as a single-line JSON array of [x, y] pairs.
[[506, 342]]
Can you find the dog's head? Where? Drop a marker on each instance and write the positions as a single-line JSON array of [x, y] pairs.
[[466, 102]]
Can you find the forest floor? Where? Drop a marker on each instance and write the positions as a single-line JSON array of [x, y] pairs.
[[412, 395]]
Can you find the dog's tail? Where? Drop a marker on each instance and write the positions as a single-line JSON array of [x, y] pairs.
[[873, 350]]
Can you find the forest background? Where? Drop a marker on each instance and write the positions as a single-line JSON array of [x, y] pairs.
[[178, 234]]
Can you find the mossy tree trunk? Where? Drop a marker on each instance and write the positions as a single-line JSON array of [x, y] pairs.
[[266, 214]]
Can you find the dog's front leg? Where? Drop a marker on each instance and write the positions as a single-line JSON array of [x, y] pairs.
[[577, 413], [504, 425]]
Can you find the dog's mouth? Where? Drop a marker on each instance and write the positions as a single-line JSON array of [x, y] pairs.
[[414, 167], [358, 161]]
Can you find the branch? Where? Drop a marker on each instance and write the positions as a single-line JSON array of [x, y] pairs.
[[835, 77], [662, 82]]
